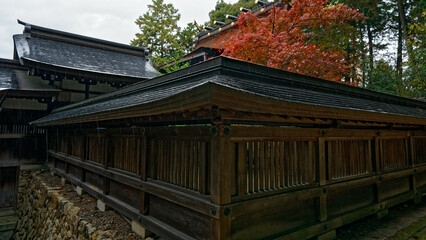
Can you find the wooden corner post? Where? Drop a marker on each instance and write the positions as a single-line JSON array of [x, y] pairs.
[[221, 157]]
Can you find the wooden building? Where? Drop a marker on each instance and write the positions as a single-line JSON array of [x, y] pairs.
[[81, 66], [209, 42], [51, 68], [227, 149]]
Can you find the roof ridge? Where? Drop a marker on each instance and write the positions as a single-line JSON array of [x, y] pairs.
[[303, 81], [52, 34], [257, 11]]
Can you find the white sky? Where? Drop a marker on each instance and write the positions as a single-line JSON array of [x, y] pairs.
[[105, 19]]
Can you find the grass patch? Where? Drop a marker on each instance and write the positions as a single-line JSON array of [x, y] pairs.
[[416, 230]]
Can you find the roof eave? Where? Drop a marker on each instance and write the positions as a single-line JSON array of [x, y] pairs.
[[97, 76], [196, 98]]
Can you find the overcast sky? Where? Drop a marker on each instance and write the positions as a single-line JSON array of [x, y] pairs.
[[106, 19]]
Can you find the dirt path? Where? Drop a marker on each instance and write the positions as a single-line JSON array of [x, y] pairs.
[[406, 221]]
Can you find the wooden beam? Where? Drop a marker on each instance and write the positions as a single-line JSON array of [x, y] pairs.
[[188, 199]]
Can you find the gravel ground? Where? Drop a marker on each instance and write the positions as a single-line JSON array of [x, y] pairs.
[[110, 220]]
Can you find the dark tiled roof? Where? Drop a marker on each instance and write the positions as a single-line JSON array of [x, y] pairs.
[[71, 51], [8, 79], [318, 98], [14, 76], [82, 58], [246, 78]]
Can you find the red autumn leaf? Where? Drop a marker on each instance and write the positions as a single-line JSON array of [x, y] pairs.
[[283, 39]]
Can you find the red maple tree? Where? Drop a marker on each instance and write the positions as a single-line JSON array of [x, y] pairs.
[[306, 39]]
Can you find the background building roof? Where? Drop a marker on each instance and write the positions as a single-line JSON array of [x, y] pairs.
[[57, 51]]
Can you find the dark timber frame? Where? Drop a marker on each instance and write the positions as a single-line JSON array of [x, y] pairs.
[[214, 162]]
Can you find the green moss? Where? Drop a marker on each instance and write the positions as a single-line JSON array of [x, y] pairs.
[[416, 230]]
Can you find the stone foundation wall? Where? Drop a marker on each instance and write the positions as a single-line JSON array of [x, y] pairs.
[[45, 214]]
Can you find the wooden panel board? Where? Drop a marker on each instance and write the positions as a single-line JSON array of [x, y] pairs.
[[94, 179], [419, 150], [190, 222], [60, 165], [124, 193], [420, 180], [9, 177], [349, 200], [75, 171], [395, 187], [265, 222]]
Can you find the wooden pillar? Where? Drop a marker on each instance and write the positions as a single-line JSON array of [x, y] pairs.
[[322, 201], [220, 158], [143, 196], [86, 90], [47, 147], [413, 181], [85, 156], [108, 162], [377, 164]]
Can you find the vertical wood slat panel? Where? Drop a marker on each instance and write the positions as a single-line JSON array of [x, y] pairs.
[[347, 158], [174, 160], [152, 159], [272, 165], [96, 148], [262, 166], [203, 170], [250, 166], [272, 173], [256, 166], [181, 162], [242, 169], [197, 163], [282, 164], [268, 166], [419, 150], [190, 164], [187, 166], [394, 154], [277, 165], [126, 154]]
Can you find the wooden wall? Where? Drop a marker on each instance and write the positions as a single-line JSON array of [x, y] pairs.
[[243, 182], [9, 180]]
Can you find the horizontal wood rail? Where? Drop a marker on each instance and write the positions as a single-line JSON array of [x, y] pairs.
[[194, 201]]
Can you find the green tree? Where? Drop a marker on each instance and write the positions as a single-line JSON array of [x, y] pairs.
[[416, 70], [222, 9], [373, 28], [384, 78], [159, 32], [186, 37]]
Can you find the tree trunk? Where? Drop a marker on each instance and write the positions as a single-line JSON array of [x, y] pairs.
[[362, 58], [403, 21], [399, 51], [370, 46]]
